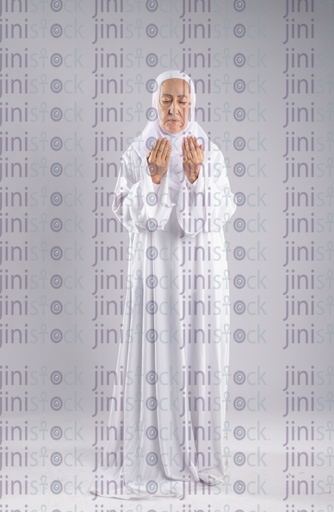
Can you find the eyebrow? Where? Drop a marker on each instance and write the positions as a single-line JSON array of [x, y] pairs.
[[170, 95]]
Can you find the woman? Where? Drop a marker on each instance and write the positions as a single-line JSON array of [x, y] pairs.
[[173, 196]]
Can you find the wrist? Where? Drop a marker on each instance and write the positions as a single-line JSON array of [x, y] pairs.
[[156, 181], [192, 178]]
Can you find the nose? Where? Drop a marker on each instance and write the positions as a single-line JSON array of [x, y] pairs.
[[173, 107]]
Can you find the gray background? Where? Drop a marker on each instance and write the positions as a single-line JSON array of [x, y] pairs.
[[265, 137]]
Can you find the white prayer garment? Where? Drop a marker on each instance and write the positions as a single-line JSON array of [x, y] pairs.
[[167, 414]]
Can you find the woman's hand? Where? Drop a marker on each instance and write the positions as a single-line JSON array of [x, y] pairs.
[[158, 159], [193, 157]]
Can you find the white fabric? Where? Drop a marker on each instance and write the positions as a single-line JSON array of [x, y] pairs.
[[175, 348], [153, 130]]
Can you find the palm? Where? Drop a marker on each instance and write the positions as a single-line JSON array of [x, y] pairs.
[[158, 159], [193, 157]]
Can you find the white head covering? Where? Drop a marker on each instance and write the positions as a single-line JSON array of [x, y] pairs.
[[167, 75], [153, 130]]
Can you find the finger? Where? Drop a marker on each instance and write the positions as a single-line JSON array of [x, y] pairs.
[[157, 148], [163, 144], [186, 144], [197, 150], [165, 150], [194, 142], [191, 152], [185, 149], [168, 154], [190, 142], [201, 150], [161, 148], [160, 156], [191, 146]]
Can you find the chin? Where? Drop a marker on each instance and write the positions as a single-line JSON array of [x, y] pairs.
[[173, 129]]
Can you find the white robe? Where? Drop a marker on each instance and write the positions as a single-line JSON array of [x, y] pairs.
[[167, 419]]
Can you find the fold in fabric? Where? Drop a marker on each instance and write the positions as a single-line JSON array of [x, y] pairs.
[[167, 415], [206, 205]]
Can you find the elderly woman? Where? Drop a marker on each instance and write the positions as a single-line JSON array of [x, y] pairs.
[[173, 196]]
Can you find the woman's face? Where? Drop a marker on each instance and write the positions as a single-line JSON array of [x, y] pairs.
[[174, 105]]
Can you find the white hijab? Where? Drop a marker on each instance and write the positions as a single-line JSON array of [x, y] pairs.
[[153, 130]]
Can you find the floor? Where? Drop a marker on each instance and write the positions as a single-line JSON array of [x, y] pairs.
[[259, 485]]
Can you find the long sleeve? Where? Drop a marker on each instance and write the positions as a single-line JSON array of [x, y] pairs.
[[139, 204], [208, 203]]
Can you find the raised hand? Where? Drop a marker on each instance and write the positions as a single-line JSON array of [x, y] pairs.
[[193, 157], [158, 159]]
